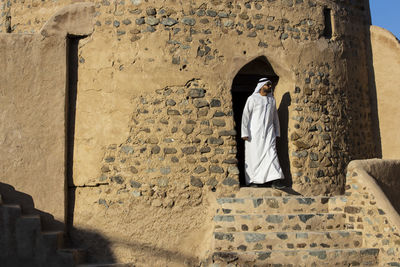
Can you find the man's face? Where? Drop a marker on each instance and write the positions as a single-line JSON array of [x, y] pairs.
[[266, 89]]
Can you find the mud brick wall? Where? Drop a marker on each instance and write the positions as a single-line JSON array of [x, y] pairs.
[[154, 128]]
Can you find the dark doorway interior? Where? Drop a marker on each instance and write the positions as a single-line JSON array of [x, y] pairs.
[[243, 86]]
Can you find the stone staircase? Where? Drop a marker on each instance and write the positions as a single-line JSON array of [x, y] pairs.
[[267, 227], [24, 243]]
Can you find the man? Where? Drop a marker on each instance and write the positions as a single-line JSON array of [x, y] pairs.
[[260, 127]]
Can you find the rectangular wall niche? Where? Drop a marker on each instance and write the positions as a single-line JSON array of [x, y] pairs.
[[328, 31]]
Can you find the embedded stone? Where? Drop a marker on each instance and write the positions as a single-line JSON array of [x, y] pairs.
[[263, 255], [135, 184], [170, 150], [297, 164], [105, 168], [205, 149], [152, 140], [233, 170], [126, 21], [173, 112], [274, 219], [216, 169], [199, 103], [321, 254], [301, 145], [272, 203], [242, 247], [219, 114], [188, 129], [230, 161], [133, 170], [212, 182], [224, 218], [196, 181], [215, 141], [254, 237], [197, 93], [169, 21], [189, 150], [152, 21], [151, 11], [203, 111], [302, 235], [300, 154], [109, 159], [215, 103], [218, 122], [189, 21], [282, 236], [305, 217], [294, 136], [170, 102], [352, 210], [224, 236], [199, 169], [230, 181], [155, 149], [227, 133], [117, 179], [211, 13]]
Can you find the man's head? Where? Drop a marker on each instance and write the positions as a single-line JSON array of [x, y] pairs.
[[261, 83], [266, 88]]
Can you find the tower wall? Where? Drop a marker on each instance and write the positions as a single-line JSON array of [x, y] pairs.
[[154, 124]]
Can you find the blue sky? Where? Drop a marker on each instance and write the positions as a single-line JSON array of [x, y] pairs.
[[386, 14]]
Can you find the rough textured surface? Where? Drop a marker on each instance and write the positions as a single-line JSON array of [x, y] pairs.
[[32, 131], [386, 60], [155, 116]]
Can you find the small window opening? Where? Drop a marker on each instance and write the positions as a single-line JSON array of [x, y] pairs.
[[328, 23]]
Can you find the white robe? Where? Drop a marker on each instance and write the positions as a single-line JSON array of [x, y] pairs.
[[260, 123]]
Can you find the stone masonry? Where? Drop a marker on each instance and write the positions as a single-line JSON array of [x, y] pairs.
[[154, 139]]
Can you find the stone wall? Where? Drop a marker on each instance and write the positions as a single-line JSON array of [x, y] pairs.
[[154, 126]]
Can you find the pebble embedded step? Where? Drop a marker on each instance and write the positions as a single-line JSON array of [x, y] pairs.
[[246, 241], [327, 257], [279, 222], [283, 205]]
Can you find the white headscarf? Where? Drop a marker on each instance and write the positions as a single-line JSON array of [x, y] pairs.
[[261, 83]]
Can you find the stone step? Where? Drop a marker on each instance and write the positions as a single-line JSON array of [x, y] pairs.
[[27, 230], [280, 222], [282, 205], [261, 192], [8, 217], [52, 240], [249, 241], [327, 257], [78, 256]]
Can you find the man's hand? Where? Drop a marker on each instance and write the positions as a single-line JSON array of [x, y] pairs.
[[246, 138]]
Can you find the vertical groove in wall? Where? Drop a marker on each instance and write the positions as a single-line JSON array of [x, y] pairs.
[[70, 109]]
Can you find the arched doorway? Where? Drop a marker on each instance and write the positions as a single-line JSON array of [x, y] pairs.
[[242, 87]]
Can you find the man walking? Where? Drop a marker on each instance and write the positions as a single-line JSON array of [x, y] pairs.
[[260, 127]]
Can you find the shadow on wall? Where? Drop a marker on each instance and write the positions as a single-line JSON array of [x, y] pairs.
[[282, 142], [11, 241], [150, 255], [11, 196]]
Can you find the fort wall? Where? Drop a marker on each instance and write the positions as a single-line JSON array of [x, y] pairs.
[[154, 133]]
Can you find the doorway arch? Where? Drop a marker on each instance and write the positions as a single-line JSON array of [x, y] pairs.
[[242, 87]]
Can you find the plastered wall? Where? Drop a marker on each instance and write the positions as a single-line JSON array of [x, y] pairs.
[[154, 139], [386, 62]]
